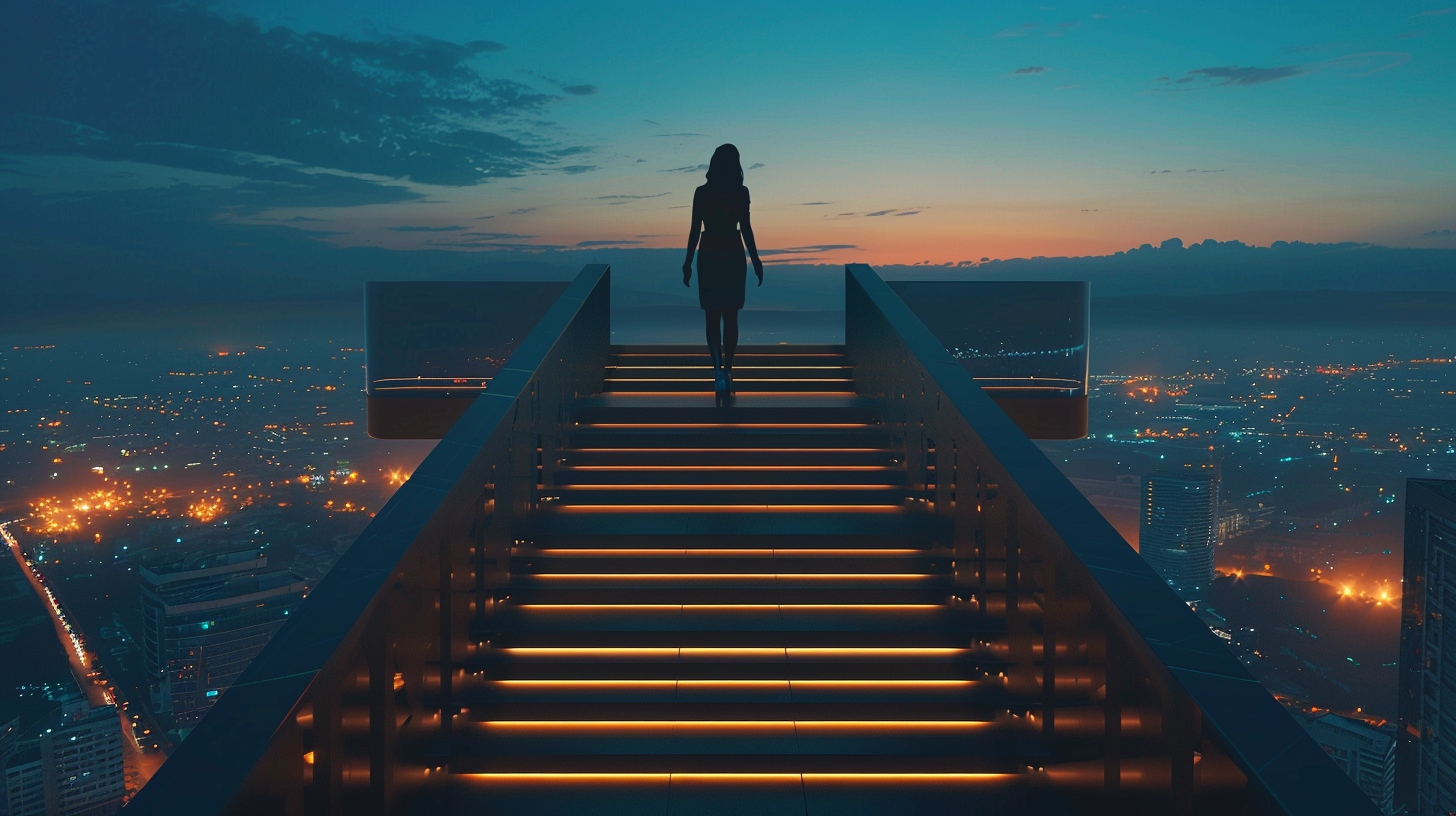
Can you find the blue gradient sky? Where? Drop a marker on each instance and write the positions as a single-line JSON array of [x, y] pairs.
[[940, 132]]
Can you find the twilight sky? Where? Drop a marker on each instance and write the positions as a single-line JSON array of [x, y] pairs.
[[884, 133]]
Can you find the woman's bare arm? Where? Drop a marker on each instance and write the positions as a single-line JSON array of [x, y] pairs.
[[687, 267], [747, 229]]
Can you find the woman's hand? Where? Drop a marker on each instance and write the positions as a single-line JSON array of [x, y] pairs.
[[687, 273], [758, 270]]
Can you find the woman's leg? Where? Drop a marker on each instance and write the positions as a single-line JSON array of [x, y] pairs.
[[715, 348], [730, 344], [730, 335], [713, 318]]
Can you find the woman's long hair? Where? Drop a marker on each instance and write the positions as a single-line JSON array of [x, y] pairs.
[[724, 168]]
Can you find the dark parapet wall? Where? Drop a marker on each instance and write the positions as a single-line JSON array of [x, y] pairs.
[[433, 346], [1024, 342]]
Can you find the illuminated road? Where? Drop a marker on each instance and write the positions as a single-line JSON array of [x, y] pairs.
[[140, 764]]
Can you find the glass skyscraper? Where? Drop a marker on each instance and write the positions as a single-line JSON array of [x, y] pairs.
[[204, 620], [1179, 528], [1426, 752]]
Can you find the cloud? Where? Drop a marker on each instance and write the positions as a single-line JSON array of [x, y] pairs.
[[804, 250], [650, 122], [1019, 31], [873, 214], [523, 210], [1370, 61], [493, 245], [1241, 75], [756, 165], [580, 90], [1375, 61], [1070, 24], [1433, 13], [815, 203], [604, 243], [908, 212], [426, 229], [692, 168], [491, 240], [104, 81], [1030, 69], [575, 169], [1438, 233], [608, 197]]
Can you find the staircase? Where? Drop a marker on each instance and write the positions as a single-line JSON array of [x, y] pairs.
[[738, 609]]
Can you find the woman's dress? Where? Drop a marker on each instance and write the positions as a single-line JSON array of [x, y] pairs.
[[722, 267]]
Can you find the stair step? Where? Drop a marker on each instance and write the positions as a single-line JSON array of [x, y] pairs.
[[728, 593], [845, 787], [703, 370], [976, 632], [763, 617], [676, 495], [683, 655], [855, 439], [743, 385], [641, 670], [728, 475], [635, 580], [847, 520], [743, 348], [740, 690], [847, 544], [968, 767], [541, 738], [701, 358], [718, 561], [749, 410], [708, 458]]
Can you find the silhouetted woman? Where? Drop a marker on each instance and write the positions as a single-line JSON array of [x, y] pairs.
[[721, 208]]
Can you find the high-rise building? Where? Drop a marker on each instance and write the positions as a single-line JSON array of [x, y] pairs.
[[1364, 751], [205, 616], [1179, 528], [75, 769], [1426, 751]]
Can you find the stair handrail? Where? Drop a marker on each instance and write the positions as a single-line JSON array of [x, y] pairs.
[[925, 392], [274, 742]]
